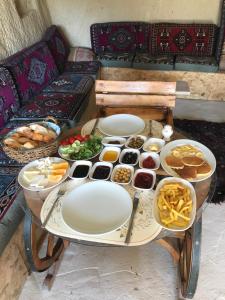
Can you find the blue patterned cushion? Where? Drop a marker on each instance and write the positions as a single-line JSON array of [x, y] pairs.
[[59, 105], [70, 83]]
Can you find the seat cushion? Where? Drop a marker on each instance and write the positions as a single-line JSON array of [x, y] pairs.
[[58, 46], [70, 83], [84, 67], [59, 105], [199, 64], [183, 39], [149, 62], [81, 54], [119, 37], [32, 70], [120, 60], [9, 100]]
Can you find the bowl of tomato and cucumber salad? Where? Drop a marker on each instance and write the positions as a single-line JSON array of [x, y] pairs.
[[78, 147]]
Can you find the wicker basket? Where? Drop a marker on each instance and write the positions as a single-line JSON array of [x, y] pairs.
[[27, 155]]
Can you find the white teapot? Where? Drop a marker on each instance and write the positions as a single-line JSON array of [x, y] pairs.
[[167, 132]]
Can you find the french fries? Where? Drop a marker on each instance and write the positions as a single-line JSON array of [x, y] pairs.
[[175, 205]]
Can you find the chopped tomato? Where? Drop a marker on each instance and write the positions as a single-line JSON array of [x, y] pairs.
[[72, 139]]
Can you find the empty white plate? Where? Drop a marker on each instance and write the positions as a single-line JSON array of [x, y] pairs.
[[121, 125], [97, 207]]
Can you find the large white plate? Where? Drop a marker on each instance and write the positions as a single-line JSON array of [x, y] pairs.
[[121, 125], [208, 155], [97, 208]]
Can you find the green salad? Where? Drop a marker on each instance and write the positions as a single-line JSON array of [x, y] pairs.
[[81, 149]]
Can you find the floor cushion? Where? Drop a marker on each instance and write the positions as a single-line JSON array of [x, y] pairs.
[[149, 62], [59, 105], [32, 70], [120, 37], [117, 60], [58, 46], [81, 54], [199, 64], [9, 100], [70, 83], [184, 39], [84, 67], [12, 205]]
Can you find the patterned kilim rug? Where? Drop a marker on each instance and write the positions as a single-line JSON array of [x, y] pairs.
[[211, 135], [9, 188]]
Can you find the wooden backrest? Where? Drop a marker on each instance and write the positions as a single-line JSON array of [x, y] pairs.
[[149, 99]]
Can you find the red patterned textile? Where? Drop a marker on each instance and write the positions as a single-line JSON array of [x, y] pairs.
[[9, 100], [120, 37], [32, 70], [59, 105], [58, 46], [183, 39]]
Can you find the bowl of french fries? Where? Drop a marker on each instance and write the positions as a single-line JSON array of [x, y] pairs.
[[174, 204]]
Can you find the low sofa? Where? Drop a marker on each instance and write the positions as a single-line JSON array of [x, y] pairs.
[[159, 46], [34, 83]]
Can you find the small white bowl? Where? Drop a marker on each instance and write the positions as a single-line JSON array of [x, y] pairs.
[[144, 138], [154, 156], [151, 141], [106, 149], [107, 139], [77, 163], [155, 202], [127, 151], [148, 171], [122, 166], [97, 164]]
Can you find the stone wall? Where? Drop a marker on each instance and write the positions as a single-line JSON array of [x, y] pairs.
[[22, 23]]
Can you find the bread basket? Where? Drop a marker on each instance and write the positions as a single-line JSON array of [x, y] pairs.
[[27, 155]]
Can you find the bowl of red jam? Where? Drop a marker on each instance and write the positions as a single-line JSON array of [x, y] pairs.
[[144, 179], [149, 160]]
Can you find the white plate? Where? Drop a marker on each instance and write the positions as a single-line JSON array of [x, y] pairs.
[[144, 138], [36, 163], [124, 151], [147, 171], [208, 156], [154, 156], [78, 163], [106, 149], [155, 202], [97, 208], [122, 125], [151, 141], [97, 164], [131, 168]]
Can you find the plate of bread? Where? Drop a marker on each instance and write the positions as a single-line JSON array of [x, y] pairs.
[[188, 159], [44, 173], [32, 136]]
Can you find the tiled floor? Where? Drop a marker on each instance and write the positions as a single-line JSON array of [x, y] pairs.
[[139, 273]]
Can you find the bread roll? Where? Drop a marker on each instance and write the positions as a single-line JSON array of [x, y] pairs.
[[30, 145], [38, 137], [39, 129], [12, 143], [23, 140]]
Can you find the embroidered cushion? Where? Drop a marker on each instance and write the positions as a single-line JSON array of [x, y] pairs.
[[183, 39], [32, 70], [120, 37], [70, 83], [199, 64], [147, 61], [116, 59], [83, 67], [9, 100], [58, 46], [59, 105], [81, 54]]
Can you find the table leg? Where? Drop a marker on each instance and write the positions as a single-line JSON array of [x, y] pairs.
[[34, 239], [190, 249]]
